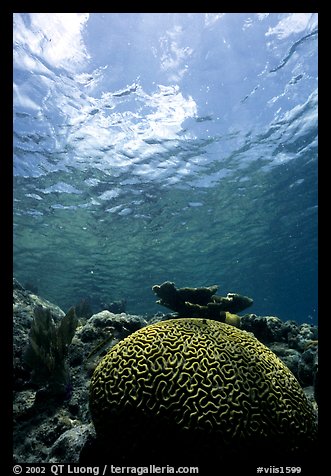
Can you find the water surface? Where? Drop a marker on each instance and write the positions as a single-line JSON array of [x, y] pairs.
[[173, 146]]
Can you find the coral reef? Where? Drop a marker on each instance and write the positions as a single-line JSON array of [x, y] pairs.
[[60, 430], [295, 344], [200, 302], [48, 428], [103, 330], [204, 385]]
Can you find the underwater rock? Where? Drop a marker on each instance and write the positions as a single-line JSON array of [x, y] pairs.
[[39, 419], [290, 327], [23, 405], [99, 334], [24, 303], [290, 357], [307, 366], [265, 328], [120, 322], [310, 394], [68, 446], [303, 336], [294, 344], [116, 307], [33, 438], [272, 329], [200, 302], [160, 316]]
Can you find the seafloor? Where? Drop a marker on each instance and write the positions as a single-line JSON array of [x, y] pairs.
[[49, 429]]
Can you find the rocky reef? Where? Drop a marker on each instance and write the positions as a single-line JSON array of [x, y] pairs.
[[50, 426], [55, 428]]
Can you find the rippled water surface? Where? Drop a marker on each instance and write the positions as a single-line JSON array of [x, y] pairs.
[[153, 147]]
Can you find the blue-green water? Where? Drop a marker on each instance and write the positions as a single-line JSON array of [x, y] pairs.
[[153, 147]]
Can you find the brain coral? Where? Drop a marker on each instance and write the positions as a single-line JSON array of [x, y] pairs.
[[203, 382]]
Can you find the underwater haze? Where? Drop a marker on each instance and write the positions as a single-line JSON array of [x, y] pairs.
[[167, 146]]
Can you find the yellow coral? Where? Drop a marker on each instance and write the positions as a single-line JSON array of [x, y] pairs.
[[232, 319], [200, 375]]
